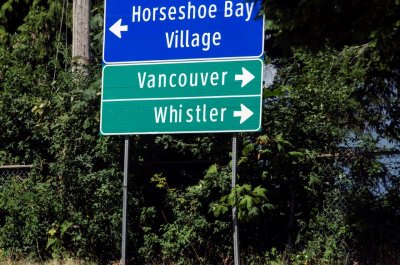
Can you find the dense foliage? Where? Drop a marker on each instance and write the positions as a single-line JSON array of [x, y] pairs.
[[336, 89]]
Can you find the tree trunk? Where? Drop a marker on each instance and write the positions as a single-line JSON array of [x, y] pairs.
[[290, 226], [80, 32]]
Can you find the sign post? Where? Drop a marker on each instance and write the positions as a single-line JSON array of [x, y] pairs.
[[125, 199], [236, 250], [181, 67]]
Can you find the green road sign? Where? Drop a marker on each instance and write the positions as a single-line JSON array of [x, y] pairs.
[[186, 97]]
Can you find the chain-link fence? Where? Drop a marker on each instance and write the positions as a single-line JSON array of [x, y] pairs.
[[9, 171], [354, 182]]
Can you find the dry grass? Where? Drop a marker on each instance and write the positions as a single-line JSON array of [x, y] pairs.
[[52, 262]]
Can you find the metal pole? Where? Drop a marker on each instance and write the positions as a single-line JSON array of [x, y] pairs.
[[125, 200], [236, 250]]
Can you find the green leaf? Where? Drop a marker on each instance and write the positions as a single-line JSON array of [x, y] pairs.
[[260, 192], [52, 232], [313, 179], [64, 227], [296, 154], [51, 241], [246, 201]]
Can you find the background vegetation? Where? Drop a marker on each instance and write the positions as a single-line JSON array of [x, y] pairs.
[[336, 89]]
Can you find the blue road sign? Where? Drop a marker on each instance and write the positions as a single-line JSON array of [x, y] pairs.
[[151, 30]]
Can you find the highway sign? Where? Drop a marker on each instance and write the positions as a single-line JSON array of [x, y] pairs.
[[182, 97], [146, 31]]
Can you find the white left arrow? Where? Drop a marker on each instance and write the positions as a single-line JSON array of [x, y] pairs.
[[117, 28], [244, 113], [245, 77]]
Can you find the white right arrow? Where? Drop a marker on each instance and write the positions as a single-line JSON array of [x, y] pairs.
[[245, 77], [244, 113], [117, 28]]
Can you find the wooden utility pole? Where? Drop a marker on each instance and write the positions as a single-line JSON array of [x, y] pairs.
[[80, 32]]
